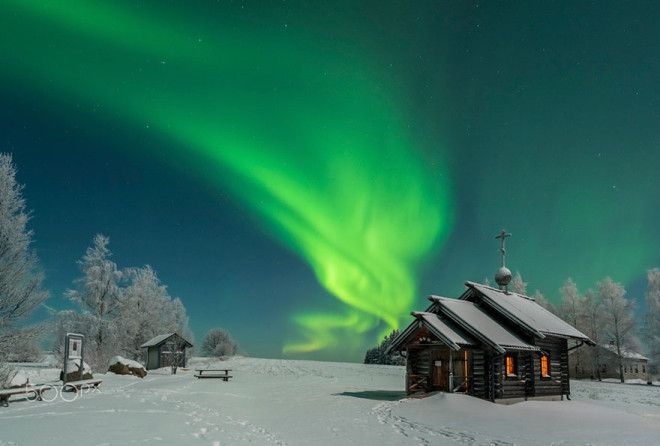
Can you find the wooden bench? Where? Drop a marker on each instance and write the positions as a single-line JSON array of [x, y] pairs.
[[76, 386], [222, 374], [25, 390]]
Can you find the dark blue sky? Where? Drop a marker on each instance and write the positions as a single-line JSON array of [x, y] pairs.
[[545, 114]]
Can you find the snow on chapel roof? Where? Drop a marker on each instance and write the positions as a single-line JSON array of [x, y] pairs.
[[481, 325], [526, 311]]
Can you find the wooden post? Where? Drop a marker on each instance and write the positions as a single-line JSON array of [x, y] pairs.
[[451, 373], [465, 371]]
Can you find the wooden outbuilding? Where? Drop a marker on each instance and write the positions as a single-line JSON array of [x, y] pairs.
[[603, 362], [489, 343], [164, 350]]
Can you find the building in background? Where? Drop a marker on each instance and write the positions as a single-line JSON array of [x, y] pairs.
[[602, 362], [166, 350]]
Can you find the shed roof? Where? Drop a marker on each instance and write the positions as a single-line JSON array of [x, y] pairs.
[[161, 339], [474, 320], [526, 312]]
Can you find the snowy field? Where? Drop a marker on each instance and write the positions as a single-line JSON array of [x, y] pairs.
[[277, 402]]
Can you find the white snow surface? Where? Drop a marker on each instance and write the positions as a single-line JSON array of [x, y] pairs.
[[286, 402], [73, 365], [125, 361], [20, 378]]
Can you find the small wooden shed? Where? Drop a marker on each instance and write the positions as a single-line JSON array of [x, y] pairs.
[[163, 350]]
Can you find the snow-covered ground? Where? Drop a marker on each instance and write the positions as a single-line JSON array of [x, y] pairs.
[[277, 402]]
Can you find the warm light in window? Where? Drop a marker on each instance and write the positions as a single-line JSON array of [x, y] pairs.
[[510, 367], [545, 366]]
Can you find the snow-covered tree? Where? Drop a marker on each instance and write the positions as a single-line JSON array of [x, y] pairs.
[[593, 319], [619, 320], [379, 354], [98, 293], [177, 350], [21, 290], [147, 310], [218, 342], [570, 309], [517, 284], [652, 319]]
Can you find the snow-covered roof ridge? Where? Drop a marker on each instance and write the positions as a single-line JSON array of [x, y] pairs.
[[157, 340], [480, 325], [525, 312], [625, 352]]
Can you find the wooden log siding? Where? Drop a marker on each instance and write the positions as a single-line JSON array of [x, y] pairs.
[[563, 358], [516, 387], [557, 384], [478, 367], [497, 383]]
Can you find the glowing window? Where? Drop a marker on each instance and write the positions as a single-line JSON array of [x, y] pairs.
[[510, 365], [545, 366]]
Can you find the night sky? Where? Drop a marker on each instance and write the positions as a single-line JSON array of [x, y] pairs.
[[304, 175]]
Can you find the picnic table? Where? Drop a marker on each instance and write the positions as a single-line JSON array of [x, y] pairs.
[[222, 374], [24, 390]]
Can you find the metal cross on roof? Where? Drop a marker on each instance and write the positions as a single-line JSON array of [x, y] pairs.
[[502, 236]]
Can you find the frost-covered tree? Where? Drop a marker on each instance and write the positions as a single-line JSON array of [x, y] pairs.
[[177, 350], [570, 309], [147, 310], [218, 342], [21, 290], [593, 319], [379, 354], [517, 284], [619, 319], [652, 318], [98, 294]]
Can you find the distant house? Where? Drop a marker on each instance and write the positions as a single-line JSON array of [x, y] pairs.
[[163, 350], [603, 362]]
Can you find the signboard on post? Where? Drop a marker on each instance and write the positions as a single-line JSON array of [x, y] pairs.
[[74, 351], [75, 348]]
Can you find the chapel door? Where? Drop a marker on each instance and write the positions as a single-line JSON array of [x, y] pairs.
[[441, 371]]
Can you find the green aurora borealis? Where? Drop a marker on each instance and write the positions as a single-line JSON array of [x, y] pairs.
[[319, 143], [322, 173]]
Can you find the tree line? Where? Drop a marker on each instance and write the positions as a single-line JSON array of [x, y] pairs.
[[117, 309]]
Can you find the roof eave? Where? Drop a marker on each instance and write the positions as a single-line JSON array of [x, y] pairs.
[[438, 334], [584, 339], [396, 343]]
